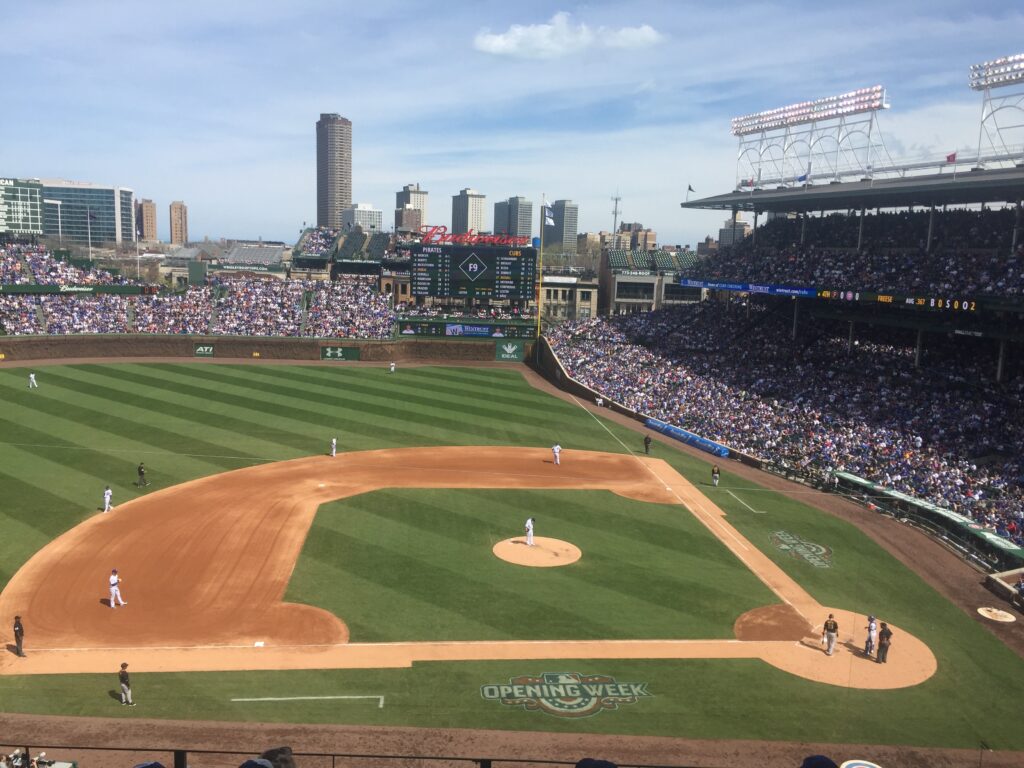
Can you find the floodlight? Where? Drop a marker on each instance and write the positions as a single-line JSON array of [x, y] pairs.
[[832, 107], [1006, 70]]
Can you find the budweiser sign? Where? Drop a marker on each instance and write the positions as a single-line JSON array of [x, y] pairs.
[[440, 235]]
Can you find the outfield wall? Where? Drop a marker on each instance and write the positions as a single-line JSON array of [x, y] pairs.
[[27, 348]]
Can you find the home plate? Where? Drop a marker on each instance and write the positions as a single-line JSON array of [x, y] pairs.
[[258, 644]]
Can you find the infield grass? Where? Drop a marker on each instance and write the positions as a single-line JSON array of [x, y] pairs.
[[89, 425]]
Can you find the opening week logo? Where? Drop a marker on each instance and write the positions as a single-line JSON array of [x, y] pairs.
[[565, 694], [817, 555]]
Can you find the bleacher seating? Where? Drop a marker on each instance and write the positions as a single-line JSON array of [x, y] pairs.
[[351, 246], [377, 246]]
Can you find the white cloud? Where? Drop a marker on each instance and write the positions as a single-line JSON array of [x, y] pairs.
[[560, 37]]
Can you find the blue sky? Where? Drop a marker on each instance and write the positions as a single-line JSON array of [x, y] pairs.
[[215, 102]]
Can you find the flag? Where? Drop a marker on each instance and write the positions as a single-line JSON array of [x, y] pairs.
[[747, 183], [549, 215], [802, 177], [92, 216], [690, 189], [951, 158]]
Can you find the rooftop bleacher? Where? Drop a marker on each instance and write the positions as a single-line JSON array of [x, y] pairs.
[[351, 246], [249, 253], [377, 246]]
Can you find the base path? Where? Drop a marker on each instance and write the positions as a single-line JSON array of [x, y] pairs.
[[206, 565]]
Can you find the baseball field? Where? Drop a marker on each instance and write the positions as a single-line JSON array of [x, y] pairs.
[[391, 585]]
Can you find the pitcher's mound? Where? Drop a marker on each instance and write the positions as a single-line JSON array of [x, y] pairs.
[[545, 552]]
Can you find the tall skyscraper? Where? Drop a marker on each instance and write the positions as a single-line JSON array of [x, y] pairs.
[[333, 169], [412, 195], [179, 223], [468, 211], [513, 217], [562, 235], [145, 220]]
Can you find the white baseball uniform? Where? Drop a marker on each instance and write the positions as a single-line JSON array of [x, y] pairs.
[[556, 450], [115, 591], [529, 531], [334, 446], [391, 368], [107, 494], [32, 383]]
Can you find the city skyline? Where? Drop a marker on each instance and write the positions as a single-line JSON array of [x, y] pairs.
[[597, 101]]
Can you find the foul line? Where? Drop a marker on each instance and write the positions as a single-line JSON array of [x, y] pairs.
[[741, 501], [380, 699]]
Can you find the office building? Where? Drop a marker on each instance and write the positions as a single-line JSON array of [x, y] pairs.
[[179, 223], [145, 220], [413, 196], [364, 216], [468, 211], [83, 212], [560, 237], [333, 169], [408, 219], [513, 217], [732, 232], [21, 207]]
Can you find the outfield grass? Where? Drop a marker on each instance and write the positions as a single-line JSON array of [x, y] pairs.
[[89, 425]]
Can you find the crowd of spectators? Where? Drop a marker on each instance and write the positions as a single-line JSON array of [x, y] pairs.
[[187, 312], [491, 312], [259, 307], [101, 313], [19, 314], [319, 241], [813, 406], [350, 307], [971, 256], [12, 269], [47, 269]]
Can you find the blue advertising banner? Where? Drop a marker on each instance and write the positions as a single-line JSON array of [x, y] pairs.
[[465, 329], [689, 438], [771, 290]]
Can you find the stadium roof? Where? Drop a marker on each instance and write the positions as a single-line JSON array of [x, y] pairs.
[[978, 186]]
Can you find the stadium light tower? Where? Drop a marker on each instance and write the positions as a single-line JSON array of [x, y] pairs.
[[824, 138], [1002, 115]]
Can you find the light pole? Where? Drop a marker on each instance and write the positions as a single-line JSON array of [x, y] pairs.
[[88, 228], [60, 227]]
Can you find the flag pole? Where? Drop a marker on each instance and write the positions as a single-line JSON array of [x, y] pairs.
[[540, 267]]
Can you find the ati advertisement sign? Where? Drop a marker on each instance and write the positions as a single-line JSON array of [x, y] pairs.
[[817, 555], [202, 350], [509, 351], [339, 353], [565, 694]]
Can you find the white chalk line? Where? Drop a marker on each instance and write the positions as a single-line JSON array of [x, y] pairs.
[[380, 699], [741, 501]]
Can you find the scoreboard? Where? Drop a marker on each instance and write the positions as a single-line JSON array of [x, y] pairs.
[[469, 271]]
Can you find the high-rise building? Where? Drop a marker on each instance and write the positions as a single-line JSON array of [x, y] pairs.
[[408, 219], [513, 217], [468, 211], [179, 223], [21, 207], [562, 235], [83, 212], [731, 234], [368, 218], [333, 169], [412, 195], [145, 220]]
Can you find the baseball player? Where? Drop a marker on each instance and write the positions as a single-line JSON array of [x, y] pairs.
[[107, 494], [32, 383], [872, 641], [334, 447], [391, 368], [142, 475], [829, 633], [115, 590], [126, 686], [529, 531], [716, 473], [647, 444], [19, 637], [556, 451]]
